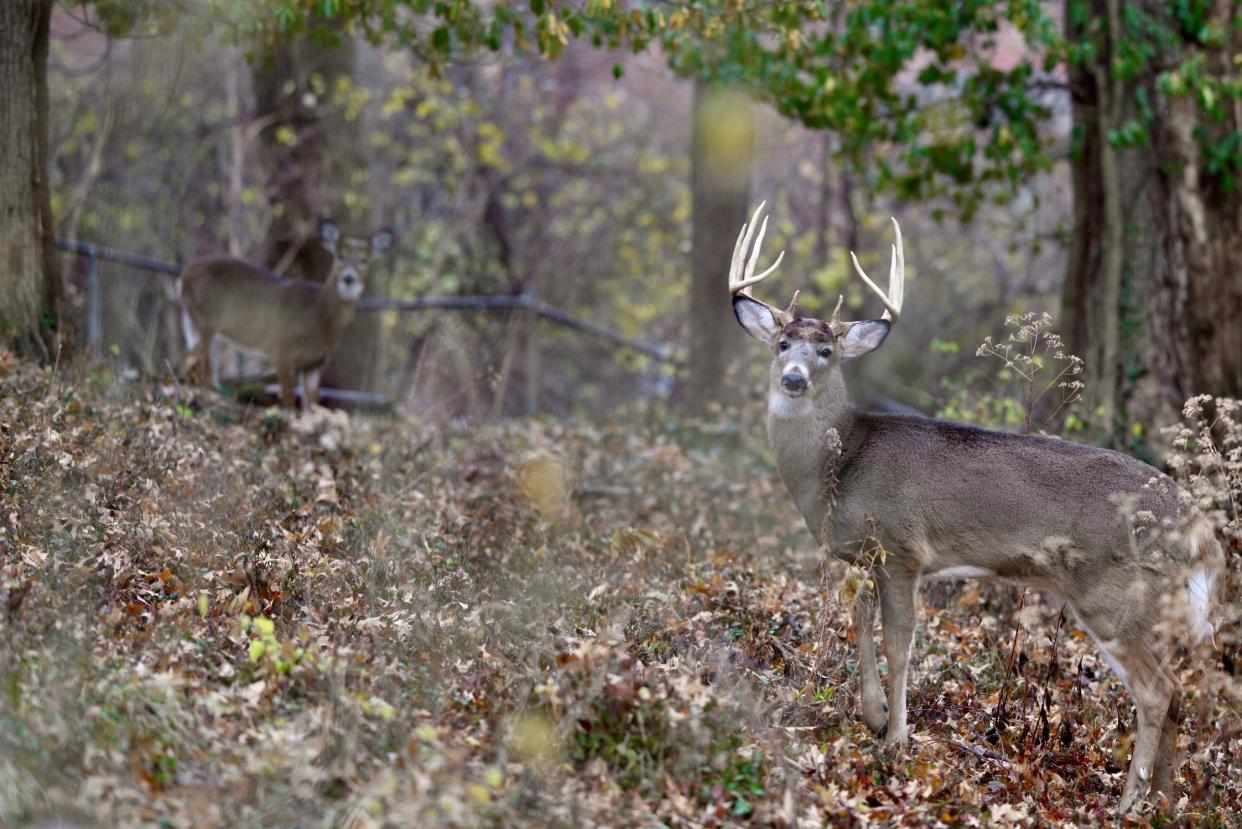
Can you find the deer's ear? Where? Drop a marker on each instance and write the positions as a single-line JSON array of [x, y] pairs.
[[329, 234], [756, 318], [863, 337], [382, 240]]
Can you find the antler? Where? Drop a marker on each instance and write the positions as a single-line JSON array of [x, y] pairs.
[[896, 286], [742, 270]]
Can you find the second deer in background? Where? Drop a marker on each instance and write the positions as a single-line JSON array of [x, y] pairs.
[[295, 324]]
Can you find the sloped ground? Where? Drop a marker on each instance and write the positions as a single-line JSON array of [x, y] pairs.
[[228, 618]]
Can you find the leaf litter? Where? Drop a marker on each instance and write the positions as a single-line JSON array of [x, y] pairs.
[[242, 618]]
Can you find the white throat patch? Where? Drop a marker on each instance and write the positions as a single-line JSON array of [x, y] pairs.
[[782, 405]]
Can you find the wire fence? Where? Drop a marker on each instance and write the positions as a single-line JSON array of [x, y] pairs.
[[504, 373]]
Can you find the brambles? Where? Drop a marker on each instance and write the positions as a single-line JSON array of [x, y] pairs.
[[1034, 381], [1027, 351], [1206, 456], [1206, 459]]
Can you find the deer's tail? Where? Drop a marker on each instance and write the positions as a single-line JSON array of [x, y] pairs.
[[1207, 560]]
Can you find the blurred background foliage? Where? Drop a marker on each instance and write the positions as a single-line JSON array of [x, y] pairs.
[[503, 172], [1074, 158]]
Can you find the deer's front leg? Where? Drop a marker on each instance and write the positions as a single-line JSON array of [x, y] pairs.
[[897, 614], [287, 397], [875, 714], [310, 388]]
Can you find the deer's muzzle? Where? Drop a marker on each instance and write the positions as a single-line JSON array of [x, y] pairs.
[[793, 383]]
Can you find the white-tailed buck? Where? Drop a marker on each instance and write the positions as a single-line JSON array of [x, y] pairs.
[[915, 498], [296, 324]]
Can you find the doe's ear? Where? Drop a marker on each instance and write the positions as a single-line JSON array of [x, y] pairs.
[[862, 337], [329, 234], [756, 318], [382, 240]]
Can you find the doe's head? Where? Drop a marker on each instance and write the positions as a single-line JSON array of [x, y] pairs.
[[351, 257], [805, 350]]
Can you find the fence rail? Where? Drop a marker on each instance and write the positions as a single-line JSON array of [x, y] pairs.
[[523, 302]]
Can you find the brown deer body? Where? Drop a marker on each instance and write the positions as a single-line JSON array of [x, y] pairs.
[[296, 324], [915, 498]]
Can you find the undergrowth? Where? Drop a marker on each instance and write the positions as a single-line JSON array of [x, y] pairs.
[[221, 617]]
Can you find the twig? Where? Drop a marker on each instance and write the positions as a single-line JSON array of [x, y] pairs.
[[1052, 664], [998, 717], [979, 752], [176, 395]]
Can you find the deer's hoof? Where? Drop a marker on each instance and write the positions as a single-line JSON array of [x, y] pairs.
[[895, 739], [1129, 801], [877, 721]]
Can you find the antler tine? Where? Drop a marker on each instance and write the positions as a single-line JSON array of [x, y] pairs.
[[896, 279], [743, 239], [738, 282], [792, 310], [897, 271], [737, 265]]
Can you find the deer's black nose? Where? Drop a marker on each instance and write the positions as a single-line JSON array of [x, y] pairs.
[[794, 382]]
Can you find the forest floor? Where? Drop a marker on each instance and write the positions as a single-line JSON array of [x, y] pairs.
[[229, 617]]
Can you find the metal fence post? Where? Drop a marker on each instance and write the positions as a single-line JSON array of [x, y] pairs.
[[532, 362], [94, 302]]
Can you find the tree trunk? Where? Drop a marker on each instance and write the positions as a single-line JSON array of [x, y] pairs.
[[722, 153], [1152, 294], [823, 242], [31, 293], [311, 153]]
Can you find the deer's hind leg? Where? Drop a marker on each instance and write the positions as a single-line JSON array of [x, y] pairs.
[[1166, 754], [198, 368], [1135, 653], [1153, 690], [198, 336]]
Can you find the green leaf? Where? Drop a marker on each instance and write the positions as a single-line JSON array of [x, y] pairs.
[[442, 40]]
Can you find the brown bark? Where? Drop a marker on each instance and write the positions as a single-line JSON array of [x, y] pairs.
[[823, 244], [31, 293], [310, 151], [307, 149], [1152, 296], [722, 152]]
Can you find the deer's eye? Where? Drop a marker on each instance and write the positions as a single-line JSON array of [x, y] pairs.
[[784, 345], [825, 353]]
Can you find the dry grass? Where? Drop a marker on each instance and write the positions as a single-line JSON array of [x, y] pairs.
[[229, 618]]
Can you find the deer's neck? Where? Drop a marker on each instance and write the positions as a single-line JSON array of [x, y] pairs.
[[336, 311], [808, 436]]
